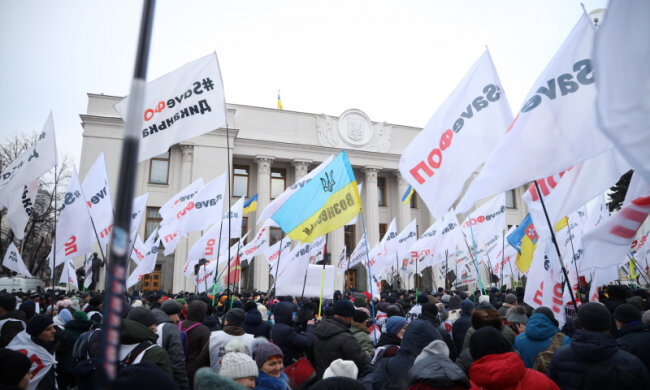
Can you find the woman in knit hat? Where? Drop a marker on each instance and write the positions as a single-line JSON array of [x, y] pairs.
[[268, 357], [239, 367]]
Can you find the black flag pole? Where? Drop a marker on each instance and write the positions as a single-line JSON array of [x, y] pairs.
[[557, 248], [229, 215], [53, 245], [116, 277]]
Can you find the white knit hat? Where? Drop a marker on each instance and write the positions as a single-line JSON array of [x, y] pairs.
[[344, 368], [237, 365]]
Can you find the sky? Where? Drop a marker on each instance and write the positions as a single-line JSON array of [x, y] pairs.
[[396, 61]]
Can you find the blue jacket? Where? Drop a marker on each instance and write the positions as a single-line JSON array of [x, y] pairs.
[[268, 382], [253, 324], [589, 355], [537, 337]]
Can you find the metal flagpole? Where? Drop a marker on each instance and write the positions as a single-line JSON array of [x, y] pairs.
[[557, 248], [372, 296], [277, 267], [469, 218], [115, 285], [53, 242], [636, 265], [216, 272], [229, 211], [503, 255], [575, 264], [446, 268]]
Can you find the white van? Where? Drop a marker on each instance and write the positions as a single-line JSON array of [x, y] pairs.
[[18, 283]]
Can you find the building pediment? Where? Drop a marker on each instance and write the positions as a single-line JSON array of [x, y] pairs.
[[353, 130]]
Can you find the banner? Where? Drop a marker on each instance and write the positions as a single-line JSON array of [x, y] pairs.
[[20, 208], [74, 230], [147, 265], [487, 219], [312, 284], [41, 360], [180, 105], [204, 209], [258, 245], [324, 204], [30, 165], [14, 261], [405, 241], [138, 209], [343, 262], [97, 192], [623, 80], [272, 254], [68, 275], [139, 249], [176, 203], [458, 138], [556, 126]]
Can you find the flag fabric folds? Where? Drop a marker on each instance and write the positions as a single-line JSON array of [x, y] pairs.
[[325, 203], [555, 128], [19, 207], [524, 240], [250, 205], [14, 262], [623, 80], [458, 138], [180, 105], [97, 191]]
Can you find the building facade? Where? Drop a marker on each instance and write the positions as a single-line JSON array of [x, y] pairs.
[[269, 150]]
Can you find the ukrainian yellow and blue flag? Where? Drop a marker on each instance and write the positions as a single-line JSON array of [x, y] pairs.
[[250, 205], [406, 198], [524, 240], [279, 101], [564, 222], [325, 203]]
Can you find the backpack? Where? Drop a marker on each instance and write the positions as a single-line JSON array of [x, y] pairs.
[[80, 348], [185, 338], [543, 359]]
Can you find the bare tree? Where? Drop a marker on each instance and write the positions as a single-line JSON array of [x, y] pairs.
[[37, 242]]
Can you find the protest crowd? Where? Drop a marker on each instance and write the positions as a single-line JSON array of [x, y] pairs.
[[430, 340]]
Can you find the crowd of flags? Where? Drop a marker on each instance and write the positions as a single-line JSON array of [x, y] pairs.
[[578, 130]]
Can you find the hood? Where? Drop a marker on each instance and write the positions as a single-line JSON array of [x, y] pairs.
[[632, 327], [283, 313], [161, 316], [330, 327], [133, 332], [438, 371], [253, 318], [593, 346], [497, 371], [418, 335], [359, 327], [466, 307], [540, 327]]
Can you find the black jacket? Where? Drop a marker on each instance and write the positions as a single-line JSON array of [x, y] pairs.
[[459, 329], [437, 371], [590, 352], [11, 327], [333, 340], [635, 339], [294, 344], [253, 324], [435, 321], [388, 339], [171, 342]]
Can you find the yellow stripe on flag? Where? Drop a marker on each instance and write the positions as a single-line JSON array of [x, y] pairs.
[[564, 222]]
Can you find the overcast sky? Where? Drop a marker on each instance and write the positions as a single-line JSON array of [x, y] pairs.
[[395, 60]]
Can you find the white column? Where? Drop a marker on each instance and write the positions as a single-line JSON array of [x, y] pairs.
[[370, 206], [301, 168], [335, 242], [261, 266], [179, 281]]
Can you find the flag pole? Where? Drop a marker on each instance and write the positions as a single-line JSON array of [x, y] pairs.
[[446, 268], [575, 264], [53, 241], [322, 282], [503, 255], [480, 280], [277, 267], [115, 286], [636, 265], [475, 263], [372, 296], [216, 272], [229, 292], [238, 270], [417, 280], [557, 248]]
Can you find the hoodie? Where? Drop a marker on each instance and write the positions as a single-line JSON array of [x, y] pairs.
[[133, 333], [294, 344], [539, 333], [169, 339], [253, 324]]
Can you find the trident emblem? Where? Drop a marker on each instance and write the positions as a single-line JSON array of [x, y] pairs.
[[328, 182]]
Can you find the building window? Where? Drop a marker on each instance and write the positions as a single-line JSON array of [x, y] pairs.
[[414, 200], [275, 235], [381, 191], [159, 169], [511, 202], [350, 239], [382, 230], [278, 181], [240, 175], [153, 220]]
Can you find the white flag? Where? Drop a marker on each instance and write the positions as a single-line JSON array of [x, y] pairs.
[[542, 289], [601, 277], [555, 128], [360, 252], [342, 265], [176, 203], [41, 360], [205, 208], [180, 105], [68, 275], [382, 257], [458, 138], [623, 80], [139, 249], [31, 164], [97, 191], [138, 209], [14, 262], [426, 244], [487, 220], [88, 270], [598, 213], [258, 245], [405, 241], [232, 221], [273, 253], [20, 208], [147, 265], [74, 230]]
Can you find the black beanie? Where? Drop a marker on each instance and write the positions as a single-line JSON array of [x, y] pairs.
[[488, 341], [594, 317], [96, 300], [344, 308], [170, 307], [7, 302], [360, 316], [142, 315], [422, 299], [37, 324], [235, 317], [627, 313], [13, 367], [548, 313], [249, 305]]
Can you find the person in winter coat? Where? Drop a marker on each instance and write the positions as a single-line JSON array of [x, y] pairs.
[[360, 331], [430, 313], [496, 367], [540, 330], [283, 334], [268, 357], [39, 338], [592, 348], [207, 379], [390, 373], [214, 350], [462, 324], [170, 339], [253, 322], [12, 321], [433, 369], [633, 335], [509, 302], [239, 367], [73, 330], [333, 340], [140, 326], [198, 335], [14, 370]]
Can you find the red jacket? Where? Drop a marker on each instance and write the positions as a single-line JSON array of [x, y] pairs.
[[507, 371]]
